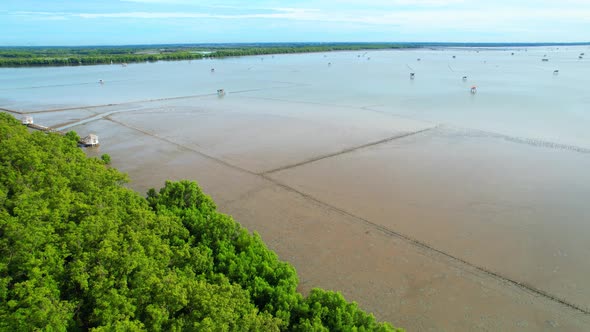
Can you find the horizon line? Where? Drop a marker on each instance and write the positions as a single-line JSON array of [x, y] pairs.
[[417, 43]]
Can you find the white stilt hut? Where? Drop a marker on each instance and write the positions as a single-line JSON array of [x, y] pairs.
[[90, 140], [220, 92], [27, 120]]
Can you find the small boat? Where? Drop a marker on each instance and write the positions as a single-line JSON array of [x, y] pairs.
[[412, 75], [473, 89]]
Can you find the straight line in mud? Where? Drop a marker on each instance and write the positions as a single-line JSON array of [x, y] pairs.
[[10, 111], [348, 150], [526, 287], [528, 141], [118, 104], [538, 143], [419, 244], [141, 101], [220, 161]]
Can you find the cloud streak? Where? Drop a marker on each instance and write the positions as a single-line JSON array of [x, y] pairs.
[[447, 18]]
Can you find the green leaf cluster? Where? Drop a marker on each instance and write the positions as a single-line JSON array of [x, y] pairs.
[[79, 251]]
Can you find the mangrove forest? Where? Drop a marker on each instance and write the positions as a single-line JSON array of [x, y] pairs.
[[78, 56]]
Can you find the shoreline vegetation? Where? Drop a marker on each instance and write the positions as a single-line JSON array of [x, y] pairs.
[[80, 251], [83, 56], [97, 55]]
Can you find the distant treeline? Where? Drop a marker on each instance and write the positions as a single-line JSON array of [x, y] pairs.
[[301, 49], [56, 56]]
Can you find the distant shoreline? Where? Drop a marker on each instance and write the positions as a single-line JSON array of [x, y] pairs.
[[61, 56], [80, 56]]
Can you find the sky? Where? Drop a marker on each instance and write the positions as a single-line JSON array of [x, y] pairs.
[[126, 22]]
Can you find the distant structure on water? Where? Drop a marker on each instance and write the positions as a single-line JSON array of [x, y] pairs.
[[464, 78], [212, 70], [90, 140], [412, 75], [27, 120], [454, 56], [544, 60], [473, 90], [555, 72], [220, 92]]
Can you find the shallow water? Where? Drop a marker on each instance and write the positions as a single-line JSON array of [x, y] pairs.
[[518, 94]]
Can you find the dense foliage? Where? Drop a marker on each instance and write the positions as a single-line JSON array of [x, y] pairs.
[[60, 56], [79, 251]]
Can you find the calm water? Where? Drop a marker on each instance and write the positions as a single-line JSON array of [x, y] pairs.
[[518, 95]]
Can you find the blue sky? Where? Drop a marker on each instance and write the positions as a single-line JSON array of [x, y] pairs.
[[112, 22]]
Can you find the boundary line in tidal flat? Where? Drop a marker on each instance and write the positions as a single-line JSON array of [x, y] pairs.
[[423, 245], [419, 244], [347, 150]]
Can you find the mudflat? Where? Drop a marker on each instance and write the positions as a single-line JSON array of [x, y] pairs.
[[414, 198]]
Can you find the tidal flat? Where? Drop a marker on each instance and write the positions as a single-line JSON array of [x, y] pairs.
[[432, 207]]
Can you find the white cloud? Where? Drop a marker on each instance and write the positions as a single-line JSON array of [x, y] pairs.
[[493, 20]]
